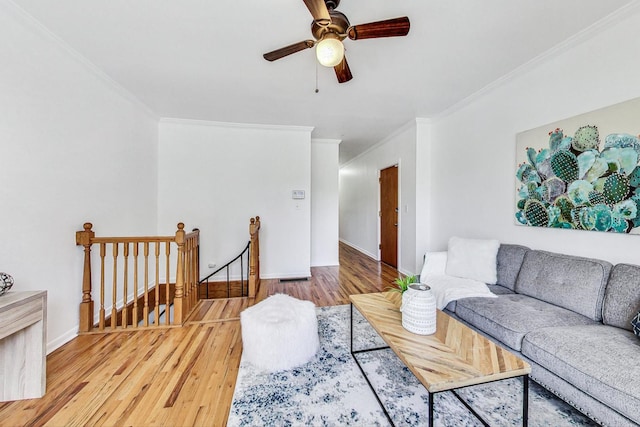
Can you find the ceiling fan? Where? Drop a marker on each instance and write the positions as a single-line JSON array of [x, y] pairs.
[[330, 27]]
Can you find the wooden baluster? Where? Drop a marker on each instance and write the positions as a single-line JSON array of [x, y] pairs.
[[134, 323], [194, 272], [167, 286], [145, 310], [189, 268], [125, 318], [197, 262], [114, 295], [196, 269], [86, 306], [156, 309], [187, 276], [179, 297], [193, 280], [187, 283], [103, 253]]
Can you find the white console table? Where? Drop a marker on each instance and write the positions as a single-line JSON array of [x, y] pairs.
[[23, 358]]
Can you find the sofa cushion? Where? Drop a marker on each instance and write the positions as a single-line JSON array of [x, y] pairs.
[[510, 317], [567, 281], [622, 296], [495, 289], [509, 261], [451, 307], [600, 360], [499, 289]]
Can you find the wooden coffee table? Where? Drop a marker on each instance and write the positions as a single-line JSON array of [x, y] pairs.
[[455, 356]]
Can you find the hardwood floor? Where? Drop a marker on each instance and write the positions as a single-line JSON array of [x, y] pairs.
[[179, 376]]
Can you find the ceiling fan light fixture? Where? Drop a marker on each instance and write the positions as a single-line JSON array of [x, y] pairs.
[[330, 51]]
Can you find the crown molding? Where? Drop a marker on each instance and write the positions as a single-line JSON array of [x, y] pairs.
[[33, 24], [210, 123], [580, 37], [326, 141]]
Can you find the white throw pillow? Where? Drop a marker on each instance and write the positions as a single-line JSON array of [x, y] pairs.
[[434, 263], [473, 259]]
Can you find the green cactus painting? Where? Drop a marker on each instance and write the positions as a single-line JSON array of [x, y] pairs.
[[575, 183]]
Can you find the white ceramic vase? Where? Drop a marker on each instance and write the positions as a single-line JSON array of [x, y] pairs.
[[419, 309]]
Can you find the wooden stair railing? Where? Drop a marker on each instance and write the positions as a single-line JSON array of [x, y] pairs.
[[245, 284], [134, 299], [249, 279]]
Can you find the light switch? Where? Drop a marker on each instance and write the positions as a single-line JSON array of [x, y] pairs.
[[297, 194]]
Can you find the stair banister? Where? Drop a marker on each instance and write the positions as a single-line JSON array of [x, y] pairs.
[[254, 256], [179, 299], [132, 306], [86, 306]]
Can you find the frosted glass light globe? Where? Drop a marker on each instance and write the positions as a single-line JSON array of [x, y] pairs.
[[330, 51]]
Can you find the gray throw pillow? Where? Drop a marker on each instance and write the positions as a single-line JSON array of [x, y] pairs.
[[636, 324]]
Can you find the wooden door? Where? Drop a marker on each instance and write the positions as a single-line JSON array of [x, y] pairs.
[[389, 216]]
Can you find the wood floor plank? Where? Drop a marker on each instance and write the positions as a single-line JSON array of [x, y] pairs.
[[178, 376]]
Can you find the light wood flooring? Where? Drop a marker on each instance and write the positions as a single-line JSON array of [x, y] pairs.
[[179, 376]]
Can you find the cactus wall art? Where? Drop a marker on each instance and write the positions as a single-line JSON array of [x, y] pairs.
[[582, 179]]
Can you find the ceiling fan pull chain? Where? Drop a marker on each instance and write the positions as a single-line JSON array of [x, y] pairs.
[[317, 90]]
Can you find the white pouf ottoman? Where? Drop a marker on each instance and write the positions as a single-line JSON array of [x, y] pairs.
[[279, 333]]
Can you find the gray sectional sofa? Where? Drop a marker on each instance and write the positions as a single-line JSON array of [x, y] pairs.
[[569, 317]]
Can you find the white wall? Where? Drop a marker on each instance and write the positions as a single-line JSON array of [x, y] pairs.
[[424, 185], [360, 194], [474, 147], [216, 176], [324, 202], [74, 148]]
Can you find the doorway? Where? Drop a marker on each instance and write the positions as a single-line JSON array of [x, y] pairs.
[[389, 216]]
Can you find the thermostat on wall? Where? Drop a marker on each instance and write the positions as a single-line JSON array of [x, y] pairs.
[[297, 194]]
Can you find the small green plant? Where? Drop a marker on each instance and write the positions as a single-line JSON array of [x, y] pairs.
[[402, 283]]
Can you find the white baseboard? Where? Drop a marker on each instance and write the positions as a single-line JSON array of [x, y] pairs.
[[359, 249], [406, 273], [286, 276], [331, 263], [62, 339]]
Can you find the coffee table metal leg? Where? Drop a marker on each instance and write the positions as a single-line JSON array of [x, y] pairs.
[[431, 396], [351, 321], [364, 374], [525, 400]]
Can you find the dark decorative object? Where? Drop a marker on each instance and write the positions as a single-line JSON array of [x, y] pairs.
[[6, 282], [636, 324]]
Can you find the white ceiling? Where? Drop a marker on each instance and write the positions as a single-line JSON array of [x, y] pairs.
[[198, 59]]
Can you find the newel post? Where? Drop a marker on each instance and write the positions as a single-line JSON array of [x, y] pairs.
[[84, 238], [179, 299], [254, 256]]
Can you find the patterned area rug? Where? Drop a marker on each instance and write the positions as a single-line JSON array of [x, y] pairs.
[[331, 391]]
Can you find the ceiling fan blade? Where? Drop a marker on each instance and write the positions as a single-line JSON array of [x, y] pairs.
[[319, 11], [288, 50], [343, 73], [389, 28]]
